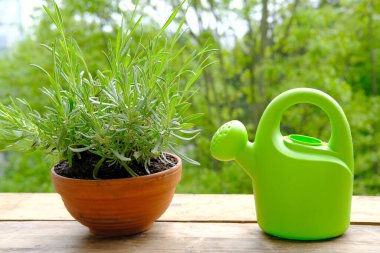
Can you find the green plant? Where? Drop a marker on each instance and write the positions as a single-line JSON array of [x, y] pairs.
[[130, 111]]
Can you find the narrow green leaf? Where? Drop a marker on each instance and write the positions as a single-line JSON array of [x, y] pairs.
[[95, 172], [50, 14], [79, 150], [184, 157], [190, 131], [170, 19], [185, 138], [193, 117], [120, 156], [128, 169]]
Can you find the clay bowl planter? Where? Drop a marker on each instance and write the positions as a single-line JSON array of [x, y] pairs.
[[115, 207]]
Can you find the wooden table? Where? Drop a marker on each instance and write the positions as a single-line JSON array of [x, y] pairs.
[[194, 223]]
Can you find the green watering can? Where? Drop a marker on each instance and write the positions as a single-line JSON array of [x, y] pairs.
[[302, 185]]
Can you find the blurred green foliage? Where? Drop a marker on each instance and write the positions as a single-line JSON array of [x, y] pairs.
[[331, 45]]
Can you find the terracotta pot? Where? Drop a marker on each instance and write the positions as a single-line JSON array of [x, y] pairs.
[[114, 207]]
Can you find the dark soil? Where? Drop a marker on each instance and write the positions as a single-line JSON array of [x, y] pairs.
[[83, 166]]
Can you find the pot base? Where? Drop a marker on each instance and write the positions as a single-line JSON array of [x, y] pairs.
[[119, 232]]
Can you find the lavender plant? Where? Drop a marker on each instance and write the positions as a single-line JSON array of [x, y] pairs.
[[131, 111]]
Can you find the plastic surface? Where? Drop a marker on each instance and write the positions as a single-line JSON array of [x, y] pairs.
[[302, 186]]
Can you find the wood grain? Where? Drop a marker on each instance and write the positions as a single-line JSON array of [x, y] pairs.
[[70, 236], [185, 207]]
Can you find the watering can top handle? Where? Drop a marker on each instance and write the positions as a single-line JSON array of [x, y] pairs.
[[340, 140]]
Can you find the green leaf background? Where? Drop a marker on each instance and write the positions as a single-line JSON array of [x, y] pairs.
[[331, 45]]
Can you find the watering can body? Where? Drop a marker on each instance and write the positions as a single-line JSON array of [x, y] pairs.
[[302, 186]]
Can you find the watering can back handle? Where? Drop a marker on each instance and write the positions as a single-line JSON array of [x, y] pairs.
[[340, 140]]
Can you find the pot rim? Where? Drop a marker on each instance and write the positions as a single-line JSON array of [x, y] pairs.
[[169, 171]]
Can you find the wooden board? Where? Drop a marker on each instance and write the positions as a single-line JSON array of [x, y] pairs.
[[185, 207], [70, 236]]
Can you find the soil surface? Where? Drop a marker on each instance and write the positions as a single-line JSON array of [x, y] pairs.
[[82, 167]]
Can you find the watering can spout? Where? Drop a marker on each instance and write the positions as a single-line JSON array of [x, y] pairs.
[[230, 143]]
